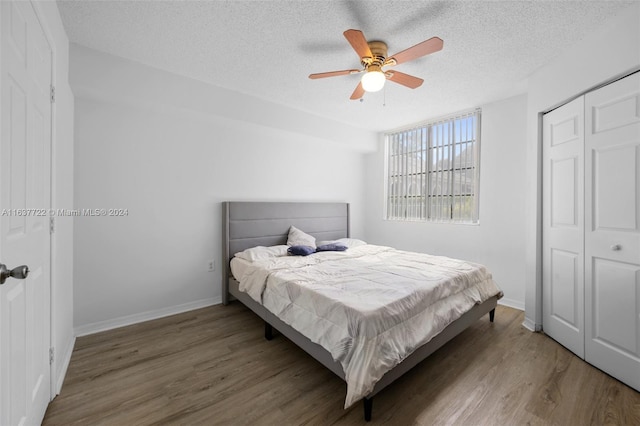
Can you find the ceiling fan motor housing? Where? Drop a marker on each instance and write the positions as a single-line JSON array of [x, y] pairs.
[[378, 52]]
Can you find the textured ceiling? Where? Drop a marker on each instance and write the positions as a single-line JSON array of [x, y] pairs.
[[268, 48]]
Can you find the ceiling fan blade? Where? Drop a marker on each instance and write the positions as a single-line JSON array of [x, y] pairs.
[[432, 45], [358, 93], [404, 79], [333, 74], [358, 42]]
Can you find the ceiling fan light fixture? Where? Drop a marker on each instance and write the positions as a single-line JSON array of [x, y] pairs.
[[373, 57], [373, 80]]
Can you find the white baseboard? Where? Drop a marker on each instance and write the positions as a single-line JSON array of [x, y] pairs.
[[528, 323], [64, 365], [97, 327], [531, 325], [515, 304]]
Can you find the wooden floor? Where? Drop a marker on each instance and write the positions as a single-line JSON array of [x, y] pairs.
[[213, 366]]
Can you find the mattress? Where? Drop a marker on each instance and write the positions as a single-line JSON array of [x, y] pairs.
[[370, 306], [238, 267]]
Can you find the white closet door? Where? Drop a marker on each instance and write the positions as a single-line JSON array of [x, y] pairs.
[[563, 225], [612, 232]]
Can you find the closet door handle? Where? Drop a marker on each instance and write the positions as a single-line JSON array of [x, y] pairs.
[[616, 247]]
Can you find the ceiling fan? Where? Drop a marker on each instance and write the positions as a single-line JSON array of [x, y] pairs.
[[373, 57]]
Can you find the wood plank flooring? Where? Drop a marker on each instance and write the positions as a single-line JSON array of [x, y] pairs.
[[213, 366]]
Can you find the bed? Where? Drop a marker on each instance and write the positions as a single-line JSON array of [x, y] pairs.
[[247, 225]]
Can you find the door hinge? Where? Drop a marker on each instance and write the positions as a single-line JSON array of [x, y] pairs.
[[52, 225], [53, 94], [52, 354]]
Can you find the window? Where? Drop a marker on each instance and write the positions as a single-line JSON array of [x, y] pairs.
[[433, 171]]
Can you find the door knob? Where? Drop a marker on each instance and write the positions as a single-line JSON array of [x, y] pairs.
[[616, 247], [19, 272]]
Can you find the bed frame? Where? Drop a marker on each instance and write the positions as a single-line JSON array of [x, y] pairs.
[[250, 224]]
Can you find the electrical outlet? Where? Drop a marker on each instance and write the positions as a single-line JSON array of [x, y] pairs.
[[211, 266]]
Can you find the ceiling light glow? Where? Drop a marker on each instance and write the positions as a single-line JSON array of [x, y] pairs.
[[373, 80]]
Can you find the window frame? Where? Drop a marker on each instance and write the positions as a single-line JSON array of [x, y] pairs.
[[422, 210]]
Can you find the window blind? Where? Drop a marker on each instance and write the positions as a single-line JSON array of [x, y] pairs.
[[433, 171]]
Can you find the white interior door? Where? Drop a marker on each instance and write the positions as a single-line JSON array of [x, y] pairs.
[[563, 225], [25, 197], [612, 234]]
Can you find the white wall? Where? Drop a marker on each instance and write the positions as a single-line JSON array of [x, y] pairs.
[[608, 52], [62, 337], [499, 240], [170, 150], [163, 146]]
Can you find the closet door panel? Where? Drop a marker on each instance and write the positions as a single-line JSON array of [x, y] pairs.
[[612, 231], [615, 290], [563, 225]]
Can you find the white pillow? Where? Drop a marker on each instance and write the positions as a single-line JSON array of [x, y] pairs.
[[260, 253], [349, 242], [300, 238]]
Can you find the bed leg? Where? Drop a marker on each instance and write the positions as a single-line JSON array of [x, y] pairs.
[[368, 407], [492, 314], [268, 331]]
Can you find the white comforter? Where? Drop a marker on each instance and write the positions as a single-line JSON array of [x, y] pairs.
[[370, 306]]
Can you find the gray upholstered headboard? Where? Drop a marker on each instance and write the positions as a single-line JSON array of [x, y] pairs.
[[248, 224]]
